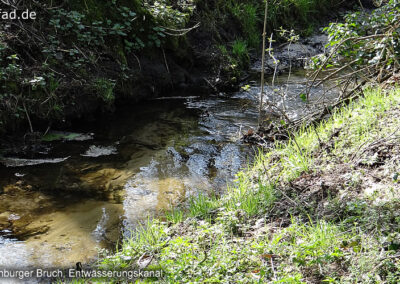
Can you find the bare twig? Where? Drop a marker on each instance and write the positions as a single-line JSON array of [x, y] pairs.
[[27, 116], [264, 35]]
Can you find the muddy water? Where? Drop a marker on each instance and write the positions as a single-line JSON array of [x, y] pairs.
[[61, 203]]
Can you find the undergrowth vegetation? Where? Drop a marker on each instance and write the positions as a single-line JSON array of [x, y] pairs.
[[364, 48], [50, 68], [48, 64]]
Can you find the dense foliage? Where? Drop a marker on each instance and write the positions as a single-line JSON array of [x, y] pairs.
[[77, 57], [45, 63], [368, 44]]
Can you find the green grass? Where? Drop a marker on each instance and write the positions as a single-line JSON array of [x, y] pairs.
[[249, 17], [248, 236], [202, 205], [241, 53], [360, 119], [105, 89], [301, 15], [174, 216]]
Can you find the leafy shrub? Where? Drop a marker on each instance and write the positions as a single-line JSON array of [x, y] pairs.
[[39, 72], [105, 90], [365, 40], [165, 14]]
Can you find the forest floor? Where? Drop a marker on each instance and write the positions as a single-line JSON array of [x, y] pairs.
[[321, 207]]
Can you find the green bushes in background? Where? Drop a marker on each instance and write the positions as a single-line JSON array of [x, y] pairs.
[[45, 64]]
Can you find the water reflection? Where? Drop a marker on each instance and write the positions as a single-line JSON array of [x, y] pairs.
[[144, 160]]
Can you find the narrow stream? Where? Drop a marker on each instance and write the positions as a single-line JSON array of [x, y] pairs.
[[62, 203]]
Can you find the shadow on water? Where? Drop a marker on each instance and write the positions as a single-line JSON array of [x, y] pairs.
[[143, 160]]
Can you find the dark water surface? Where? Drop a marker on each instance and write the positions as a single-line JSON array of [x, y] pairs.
[[62, 203], [141, 161]]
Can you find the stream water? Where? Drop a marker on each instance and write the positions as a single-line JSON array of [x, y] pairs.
[[66, 200]]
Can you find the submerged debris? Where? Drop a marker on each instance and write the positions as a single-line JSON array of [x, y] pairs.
[[17, 162], [97, 151], [66, 136], [265, 136]]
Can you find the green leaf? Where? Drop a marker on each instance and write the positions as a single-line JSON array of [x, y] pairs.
[[246, 87], [303, 97]]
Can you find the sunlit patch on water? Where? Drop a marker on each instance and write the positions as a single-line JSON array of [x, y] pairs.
[[228, 162], [99, 232], [19, 251], [176, 157]]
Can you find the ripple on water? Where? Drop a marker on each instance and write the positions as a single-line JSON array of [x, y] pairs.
[[202, 147], [198, 164], [99, 232], [176, 157], [140, 195], [97, 151], [228, 162]]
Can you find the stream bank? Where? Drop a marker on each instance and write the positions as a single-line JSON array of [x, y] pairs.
[[322, 207]]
